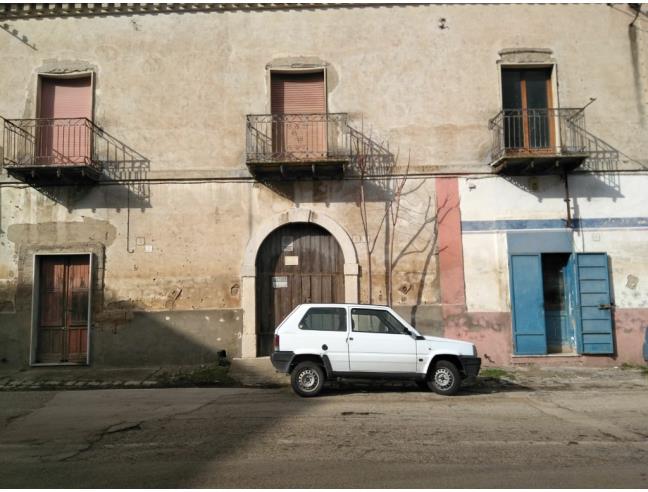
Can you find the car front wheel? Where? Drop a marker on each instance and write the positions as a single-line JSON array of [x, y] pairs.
[[307, 379], [445, 379]]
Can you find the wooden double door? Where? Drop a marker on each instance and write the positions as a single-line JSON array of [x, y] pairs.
[[296, 264], [63, 309]]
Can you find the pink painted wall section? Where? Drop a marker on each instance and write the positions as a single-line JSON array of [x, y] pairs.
[[490, 332], [449, 240], [630, 326]]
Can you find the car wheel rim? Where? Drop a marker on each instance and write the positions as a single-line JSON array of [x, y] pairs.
[[308, 380], [443, 378]]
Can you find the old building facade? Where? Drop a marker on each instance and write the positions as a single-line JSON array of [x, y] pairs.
[[177, 178]]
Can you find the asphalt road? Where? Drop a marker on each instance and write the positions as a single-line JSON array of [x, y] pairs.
[[354, 437]]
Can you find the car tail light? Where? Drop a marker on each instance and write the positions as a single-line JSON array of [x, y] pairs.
[[276, 342]]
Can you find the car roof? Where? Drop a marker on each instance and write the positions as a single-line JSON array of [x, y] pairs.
[[344, 304]]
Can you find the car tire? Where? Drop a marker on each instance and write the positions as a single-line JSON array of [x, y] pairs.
[[445, 378], [307, 379]]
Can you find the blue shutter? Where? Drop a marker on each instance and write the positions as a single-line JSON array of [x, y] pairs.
[[527, 298], [593, 313]]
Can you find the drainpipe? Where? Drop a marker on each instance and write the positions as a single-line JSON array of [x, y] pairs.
[[568, 222]]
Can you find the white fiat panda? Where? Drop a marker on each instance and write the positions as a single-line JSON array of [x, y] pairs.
[[326, 341]]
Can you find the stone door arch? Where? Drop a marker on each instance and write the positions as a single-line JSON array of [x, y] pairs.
[[297, 263], [249, 269]]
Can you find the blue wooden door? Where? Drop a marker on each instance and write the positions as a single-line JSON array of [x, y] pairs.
[[593, 308], [529, 336]]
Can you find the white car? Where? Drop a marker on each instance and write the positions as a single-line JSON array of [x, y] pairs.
[[326, 341]]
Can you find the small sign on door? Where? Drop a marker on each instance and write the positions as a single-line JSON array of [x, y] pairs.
[[279, 282], [291, 260]]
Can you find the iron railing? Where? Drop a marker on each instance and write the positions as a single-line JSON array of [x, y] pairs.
[[59, 142], [295, 138], [552, 131]]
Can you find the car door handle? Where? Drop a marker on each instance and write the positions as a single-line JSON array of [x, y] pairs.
[[349, 339]]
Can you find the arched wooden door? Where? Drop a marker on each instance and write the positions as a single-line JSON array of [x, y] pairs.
[[298, 263]]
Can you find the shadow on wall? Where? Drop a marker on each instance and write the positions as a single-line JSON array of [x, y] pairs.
[[125, 180], [603, 165], [370, 161], [141, 338]]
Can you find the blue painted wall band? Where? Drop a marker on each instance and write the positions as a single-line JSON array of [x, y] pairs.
[[513, 225]]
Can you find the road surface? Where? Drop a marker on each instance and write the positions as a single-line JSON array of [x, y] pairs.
[[349, 437]]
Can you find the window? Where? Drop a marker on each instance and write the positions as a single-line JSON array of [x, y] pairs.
[[62, 126], [375, 321], [298, 105], [324, 319], [526, 101]]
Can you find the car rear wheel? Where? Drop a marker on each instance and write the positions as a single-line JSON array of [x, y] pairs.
[[307, 379], [445, 379]]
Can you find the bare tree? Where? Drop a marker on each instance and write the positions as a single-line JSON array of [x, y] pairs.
[[368, 154]]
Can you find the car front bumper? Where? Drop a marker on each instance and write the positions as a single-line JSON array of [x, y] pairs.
[[471, 365], [281, 360]]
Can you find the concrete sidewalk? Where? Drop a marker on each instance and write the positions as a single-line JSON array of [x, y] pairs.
[[259, 373], [83, 377]]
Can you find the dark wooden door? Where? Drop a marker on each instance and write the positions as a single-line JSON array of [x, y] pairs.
[[296, 264], [63, 309]]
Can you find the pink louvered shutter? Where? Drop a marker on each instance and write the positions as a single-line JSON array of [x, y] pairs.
[[299, 101], [63, 135]]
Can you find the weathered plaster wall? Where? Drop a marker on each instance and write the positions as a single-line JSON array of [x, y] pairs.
[[176, 88], [612, 210]]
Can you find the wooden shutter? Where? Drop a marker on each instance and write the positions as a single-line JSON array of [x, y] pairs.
[[298, 93], [593, 303], [66, 98], [529, 331], [62, 136], [299, 126]]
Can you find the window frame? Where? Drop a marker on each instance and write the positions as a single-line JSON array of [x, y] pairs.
[[346, 320], [404, 331]]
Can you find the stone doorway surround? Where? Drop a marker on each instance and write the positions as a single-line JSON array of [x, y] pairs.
[[248, 269]]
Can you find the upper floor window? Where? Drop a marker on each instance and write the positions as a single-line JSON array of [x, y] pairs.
[[63, 133], [526, 101]]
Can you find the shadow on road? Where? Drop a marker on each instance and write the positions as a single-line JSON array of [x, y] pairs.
[[480, 386]]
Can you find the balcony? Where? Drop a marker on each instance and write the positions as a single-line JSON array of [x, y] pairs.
[[297, 146], [54, 151], [538, 141]]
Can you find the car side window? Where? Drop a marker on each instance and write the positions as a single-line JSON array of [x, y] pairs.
[[375, 321], [324, 319]]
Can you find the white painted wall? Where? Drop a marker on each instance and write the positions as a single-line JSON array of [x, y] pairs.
[[594, 197]]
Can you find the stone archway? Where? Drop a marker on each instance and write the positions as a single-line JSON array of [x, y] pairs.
[[248, 270]]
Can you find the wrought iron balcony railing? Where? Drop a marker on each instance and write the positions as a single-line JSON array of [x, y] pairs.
[[545, 131], [297, 138], [61, 143]]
